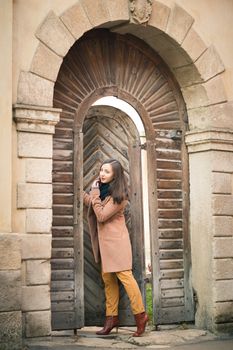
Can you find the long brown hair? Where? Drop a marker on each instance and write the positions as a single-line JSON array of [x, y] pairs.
[[118, 187]]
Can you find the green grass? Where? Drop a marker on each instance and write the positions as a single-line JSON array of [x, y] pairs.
[[149, 305]]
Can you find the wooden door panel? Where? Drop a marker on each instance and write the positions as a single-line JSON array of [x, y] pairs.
[[104, 138], [126, 67]]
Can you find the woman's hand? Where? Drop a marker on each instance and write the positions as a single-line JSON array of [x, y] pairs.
[[95, 184]]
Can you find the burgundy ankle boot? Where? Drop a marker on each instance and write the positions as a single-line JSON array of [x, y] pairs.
[[110, 323], [141, 321]]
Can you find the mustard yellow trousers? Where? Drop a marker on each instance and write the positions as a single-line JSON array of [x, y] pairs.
[[112, 292]]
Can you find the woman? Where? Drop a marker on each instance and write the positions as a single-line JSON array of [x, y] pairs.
[[110, 239]]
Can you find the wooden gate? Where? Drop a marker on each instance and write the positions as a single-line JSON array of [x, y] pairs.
[[102, 63], [110, 133]]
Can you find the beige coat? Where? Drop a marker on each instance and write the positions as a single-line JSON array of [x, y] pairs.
[[108, 231]]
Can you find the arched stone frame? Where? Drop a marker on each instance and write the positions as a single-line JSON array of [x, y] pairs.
[[196, 67]]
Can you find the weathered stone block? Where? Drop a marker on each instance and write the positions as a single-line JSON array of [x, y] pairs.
[[11, 330], [159, 16], [222, 225], [179, 23], [223, 247], [187, 75], [38, 324], [118, 10], [195, 96], [223, 269], [39, 170], [36, 246], [215, 116], [97, 14], [35, 298], [222, 204], [38, 272], [34, 145], [39, 220], [174, 57], [10, 290], [55, 35], [223, 290], [209, 64], [34, 90], [222, 161], [76, 20], [10, 252], [215, 90], [45, 63], [223, 312], [193, 45], [34, 196], [222, 183]]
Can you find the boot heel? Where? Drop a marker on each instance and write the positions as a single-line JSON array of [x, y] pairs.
[[116, 329]]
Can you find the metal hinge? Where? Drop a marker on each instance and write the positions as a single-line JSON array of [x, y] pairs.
[[143, 146]]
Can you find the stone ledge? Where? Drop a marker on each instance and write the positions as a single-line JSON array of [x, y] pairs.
[[210, 139], [36, 119]]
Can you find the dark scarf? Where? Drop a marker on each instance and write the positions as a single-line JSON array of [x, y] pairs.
[[104, 190]]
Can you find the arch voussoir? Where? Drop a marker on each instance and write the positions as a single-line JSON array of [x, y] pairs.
[[55, 35]]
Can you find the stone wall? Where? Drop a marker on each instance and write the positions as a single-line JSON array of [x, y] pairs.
[[35, 127], [198, 64], [211, 198], [10, 292]]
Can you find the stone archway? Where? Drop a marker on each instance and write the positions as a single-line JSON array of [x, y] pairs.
[[198, 70]]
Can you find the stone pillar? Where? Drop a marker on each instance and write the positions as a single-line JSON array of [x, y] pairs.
[[211, 220], [35, 128], [10, 292]]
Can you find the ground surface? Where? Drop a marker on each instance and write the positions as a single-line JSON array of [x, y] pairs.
[[177, 338]]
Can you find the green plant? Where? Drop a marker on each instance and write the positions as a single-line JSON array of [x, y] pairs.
[[149, 304]]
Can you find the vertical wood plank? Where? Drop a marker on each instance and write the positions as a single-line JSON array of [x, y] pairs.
[[154, 242], [78, 229]]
